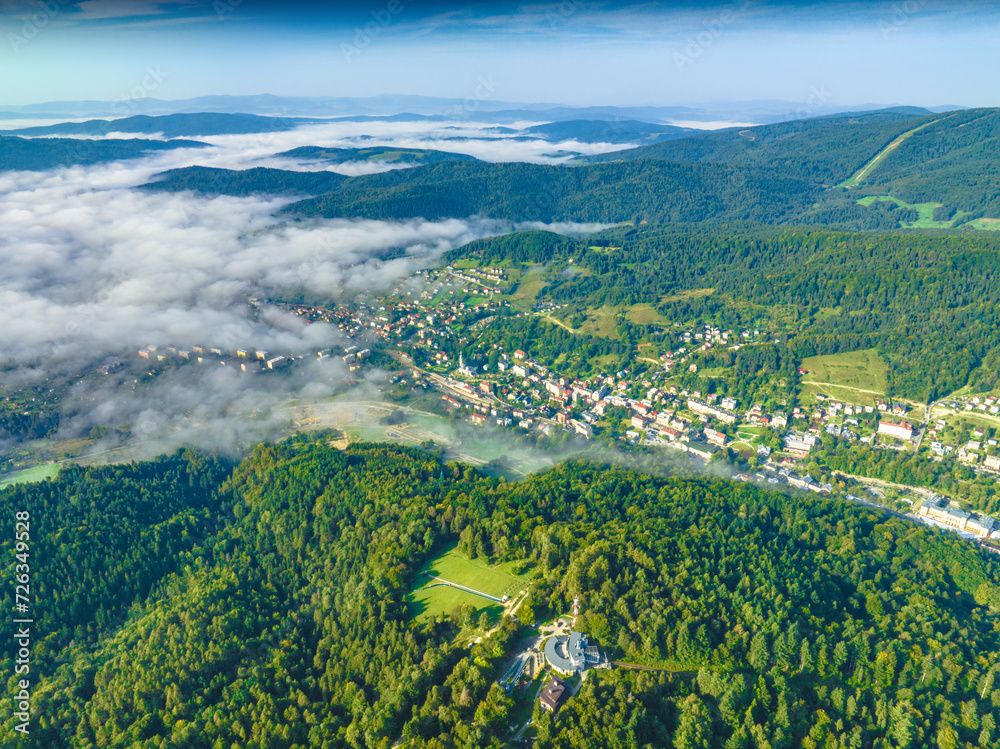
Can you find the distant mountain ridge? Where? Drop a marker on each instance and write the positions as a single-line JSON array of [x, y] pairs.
[[607, 131], [486, 109], [39, 154], [784, 173], [380, 154], [174, 125], [211, 181]]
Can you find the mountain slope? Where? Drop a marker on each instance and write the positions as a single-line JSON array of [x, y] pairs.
[[380, 154], [824, 150], [954, 161], [630, 191], [260, 180], [603, 131], [801, 622], [48, 153]]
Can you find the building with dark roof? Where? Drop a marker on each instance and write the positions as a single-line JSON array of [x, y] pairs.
[[553, 694]]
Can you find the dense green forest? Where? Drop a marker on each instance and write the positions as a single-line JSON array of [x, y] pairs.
[[928, 303], [657, 192], [212, 181], [386, 154], [269, 610], [654, 191], [821, 150], [38, 154], [954, 161]]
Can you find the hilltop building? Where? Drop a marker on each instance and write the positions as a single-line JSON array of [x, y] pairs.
[[570, 654]]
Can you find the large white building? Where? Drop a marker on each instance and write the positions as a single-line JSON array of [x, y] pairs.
[[901, 431], [938, 508]]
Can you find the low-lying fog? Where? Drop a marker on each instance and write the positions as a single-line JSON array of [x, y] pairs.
[[91, 268]]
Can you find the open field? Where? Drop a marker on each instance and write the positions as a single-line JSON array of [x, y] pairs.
[[986, 224], [809, 391], [429, 597], [645, 314], [681, 296], [857, 370], [529, 284], [602, 322], [30, 475], [926, 211]]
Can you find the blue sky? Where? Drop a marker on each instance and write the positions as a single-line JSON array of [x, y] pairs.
[[922, 52]]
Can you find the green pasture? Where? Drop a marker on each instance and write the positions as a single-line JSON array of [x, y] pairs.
[[30, 475], [430, 598], [855, 370]]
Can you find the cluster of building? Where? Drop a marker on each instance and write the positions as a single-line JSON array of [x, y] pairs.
[[423, 324], [567, 655], [242, 360], [786, 476], [425, 314], [983, 403]]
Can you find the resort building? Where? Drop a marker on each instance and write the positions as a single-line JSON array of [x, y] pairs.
[[570, 654]]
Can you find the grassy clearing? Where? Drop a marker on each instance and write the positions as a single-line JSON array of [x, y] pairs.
[[529, 284], [645, 314], [844, 394], [602, 322], [688, 294], [719, 372], [926, 211], [30, 475], [859, 370], [429, 598], [986, 224]]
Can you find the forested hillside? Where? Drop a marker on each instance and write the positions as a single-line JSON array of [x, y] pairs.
[[604, 131], [211, 181], [822, 150], [783, 174], [928, 303], [954, 161], [380, 154], [48, 153], [648, 190], [282, 621]]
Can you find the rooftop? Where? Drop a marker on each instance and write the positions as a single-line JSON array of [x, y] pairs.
[[553, 694], [567, 653]]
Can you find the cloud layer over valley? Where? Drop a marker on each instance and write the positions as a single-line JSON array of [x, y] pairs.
[[94, 269]]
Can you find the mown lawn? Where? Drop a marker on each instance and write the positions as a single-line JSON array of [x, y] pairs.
[[862, 370], [30, 475], [429, 598]]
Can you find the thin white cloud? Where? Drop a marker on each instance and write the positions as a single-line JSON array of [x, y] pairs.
[[102, 10]]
